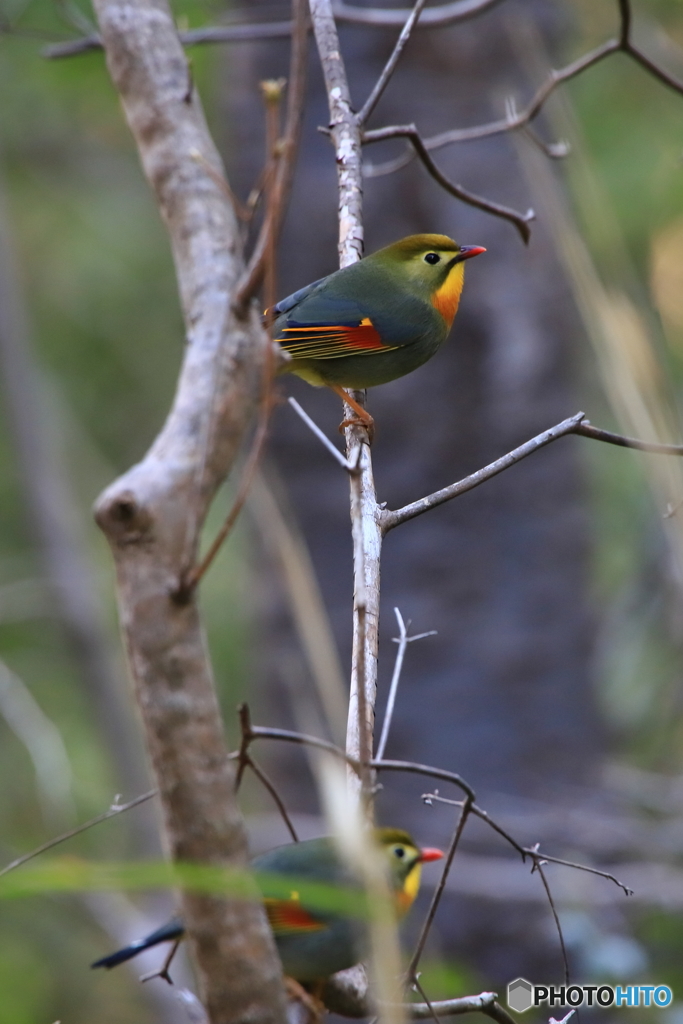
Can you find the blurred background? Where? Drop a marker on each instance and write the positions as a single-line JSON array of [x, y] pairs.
[[554, 683]]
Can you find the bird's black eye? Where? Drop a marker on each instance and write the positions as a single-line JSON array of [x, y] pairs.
[[399, 852], [432, 257]]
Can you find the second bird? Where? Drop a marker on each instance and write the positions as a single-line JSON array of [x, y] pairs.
[[376, 320]]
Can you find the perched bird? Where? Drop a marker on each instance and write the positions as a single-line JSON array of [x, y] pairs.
[[375, 320], [313, 944]]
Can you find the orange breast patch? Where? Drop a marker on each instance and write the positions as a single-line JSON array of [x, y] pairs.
[[446, 299]]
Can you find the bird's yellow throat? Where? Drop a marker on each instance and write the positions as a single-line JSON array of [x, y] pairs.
[[446, 298], [406, 897]]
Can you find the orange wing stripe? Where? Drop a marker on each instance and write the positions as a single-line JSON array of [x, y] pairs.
[[290, 916], [363, 338]]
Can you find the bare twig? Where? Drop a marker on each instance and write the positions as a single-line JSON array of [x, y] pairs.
[[391, 519], [415, 768], [577, 424], [270, 786], [245, 760], [322, 437], [586, 429], [538, 867], [261, 732], [280, 160], [526, 851], [402, 640], [519, 220], [193, 37], [285, 161], [485, 1003], [585, 867], [113, 811], [410, 132], [390, 66], [428, 1002], [514, 121], [434, 17], [438, 892]]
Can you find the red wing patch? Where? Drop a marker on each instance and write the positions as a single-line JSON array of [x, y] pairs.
[[290, 916], [327, 341]]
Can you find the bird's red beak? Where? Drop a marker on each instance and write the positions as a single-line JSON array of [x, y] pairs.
[[428, 853], [468, 251]]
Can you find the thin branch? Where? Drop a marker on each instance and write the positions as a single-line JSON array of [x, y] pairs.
[[433, 17], [190, 580], [479, 812], [287, 153], [512, 122], [526, 851], [428, 1003], [390, 66], [485, 1003], [193, 37], [582, 867], [577, 424], [424, 769], [391, 519], [245, 760], [269, 785], [280, 160], [323, 438], [444, 14], [410, 132], [402, 640], [261, 732], [538, 867], [438, 892], [586, 429], [111, 813]]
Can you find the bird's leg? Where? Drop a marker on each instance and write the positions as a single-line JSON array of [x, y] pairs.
[[364, 419], [312, 1002], [163, 973]]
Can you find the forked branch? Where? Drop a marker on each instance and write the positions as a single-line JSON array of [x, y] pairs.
[[514, 120], [577, 424]]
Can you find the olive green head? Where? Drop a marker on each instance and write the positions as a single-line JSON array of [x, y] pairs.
[[431, 266], [405, 859]]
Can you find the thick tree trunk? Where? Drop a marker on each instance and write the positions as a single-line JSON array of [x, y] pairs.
[[153, 514]]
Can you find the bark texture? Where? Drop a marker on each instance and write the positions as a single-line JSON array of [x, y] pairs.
[[152, 515]]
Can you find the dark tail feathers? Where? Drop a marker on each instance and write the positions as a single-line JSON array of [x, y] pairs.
[[167, 933]]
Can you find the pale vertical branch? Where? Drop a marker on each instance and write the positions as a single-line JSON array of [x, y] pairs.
[[367, 538], [153, 514], [366, 533]]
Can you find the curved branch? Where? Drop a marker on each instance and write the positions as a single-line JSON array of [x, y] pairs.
[[396, 17], [514, 121], [410, 132], [434, 17]]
